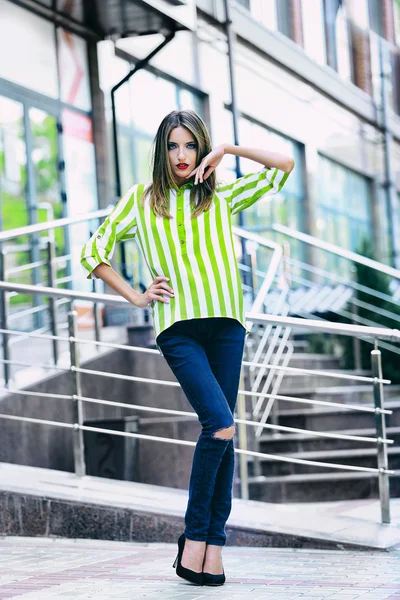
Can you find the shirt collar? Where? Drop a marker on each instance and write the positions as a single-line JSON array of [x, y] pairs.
[[185, 186]]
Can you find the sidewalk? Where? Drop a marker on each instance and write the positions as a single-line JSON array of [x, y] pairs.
[[40, 568]]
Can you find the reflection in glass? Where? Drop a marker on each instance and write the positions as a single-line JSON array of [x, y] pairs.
[[45, 167], [13, 189], [344, 207]]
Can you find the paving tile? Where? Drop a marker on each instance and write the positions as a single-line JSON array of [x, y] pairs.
[[61, 569]]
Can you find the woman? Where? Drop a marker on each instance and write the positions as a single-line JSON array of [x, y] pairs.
[[182, 222]]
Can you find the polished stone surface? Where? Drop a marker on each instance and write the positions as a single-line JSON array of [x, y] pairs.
[[42, 502]]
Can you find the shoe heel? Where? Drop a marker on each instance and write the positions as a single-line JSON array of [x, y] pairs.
[[176, 560]]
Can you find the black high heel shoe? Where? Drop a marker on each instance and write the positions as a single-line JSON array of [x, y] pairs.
[[187, 574], [210, 579]]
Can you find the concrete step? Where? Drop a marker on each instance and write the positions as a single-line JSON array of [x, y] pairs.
[[304, 360], [49, 503], [329, 419], [309, 383], [300, 345], [296, 443], [319, 487], [361, 457]]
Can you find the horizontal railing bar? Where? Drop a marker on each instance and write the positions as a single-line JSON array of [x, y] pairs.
[[18, 363], [51, 395], [326, 403], [385, 313], [245, 363], [348, 254], [348, 314], [62, 257], [22, 336], [27, 311], [28, 334], [153, 351], [328, 327], [308, 324], [337, 278], [254, 237], [25, 267], [55, 224], [104, 212], [242, 392], [191, 414], [301, 371], [65, 293], [155, 438]]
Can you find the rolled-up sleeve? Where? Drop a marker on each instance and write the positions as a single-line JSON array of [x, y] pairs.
[[246, 190], [120, 225]]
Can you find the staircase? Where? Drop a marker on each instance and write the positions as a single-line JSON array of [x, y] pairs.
[[275, 481]]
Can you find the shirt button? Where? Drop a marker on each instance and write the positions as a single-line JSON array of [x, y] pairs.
[[179, 223], [182, 242], [98, 237], [179, 208]]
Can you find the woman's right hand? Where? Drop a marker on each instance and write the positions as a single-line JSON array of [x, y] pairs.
[[155, 292]]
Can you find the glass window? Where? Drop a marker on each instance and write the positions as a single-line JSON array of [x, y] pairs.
[[287, 206], [313, 29], [342, 45], [265, 12], [146, 90], [81, 185], [284, 17], [397, 20], [360, 13], [344, 210], [74, 8], [13, 166], [375, 16], [74, 70], [245, 3], [13, 190], [398, 224], [28, 42]]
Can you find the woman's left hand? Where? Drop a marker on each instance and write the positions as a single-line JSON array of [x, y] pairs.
[[211, 161]]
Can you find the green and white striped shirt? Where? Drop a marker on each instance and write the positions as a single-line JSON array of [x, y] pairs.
[[197, 255]]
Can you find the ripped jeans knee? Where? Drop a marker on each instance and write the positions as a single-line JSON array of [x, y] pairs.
[[226, 433]]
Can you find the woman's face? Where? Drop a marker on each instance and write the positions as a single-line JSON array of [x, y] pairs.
[[182, 152]]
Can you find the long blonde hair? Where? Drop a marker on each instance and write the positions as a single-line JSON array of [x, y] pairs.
[[163, 178]]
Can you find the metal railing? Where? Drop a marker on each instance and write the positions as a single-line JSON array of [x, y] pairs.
[[283, 295], [277, 327], [78, 400]]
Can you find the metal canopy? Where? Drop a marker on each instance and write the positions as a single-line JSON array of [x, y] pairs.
[[103, 18], [142, 17]]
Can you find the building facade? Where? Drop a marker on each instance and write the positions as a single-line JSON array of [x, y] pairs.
[[308, 83]]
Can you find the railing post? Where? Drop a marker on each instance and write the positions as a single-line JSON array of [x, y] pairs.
[[77, 407], [96, 316], [384, 489], [52, 301], [243, 470], [4, 321]]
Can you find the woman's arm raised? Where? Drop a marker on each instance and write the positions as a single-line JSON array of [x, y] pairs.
[[265, 157], [271, 160]]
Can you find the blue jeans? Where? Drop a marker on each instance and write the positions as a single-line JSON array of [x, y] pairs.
[[205, 355]]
